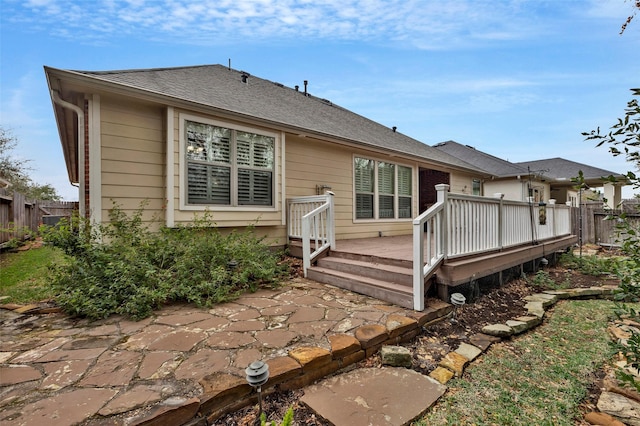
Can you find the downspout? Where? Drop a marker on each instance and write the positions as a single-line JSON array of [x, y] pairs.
[[80, 113]]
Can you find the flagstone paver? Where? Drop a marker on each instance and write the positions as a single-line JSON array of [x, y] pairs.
[[391, 396], [55, 370]]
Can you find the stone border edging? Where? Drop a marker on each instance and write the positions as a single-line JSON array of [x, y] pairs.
[[224, 392], [537, 304]]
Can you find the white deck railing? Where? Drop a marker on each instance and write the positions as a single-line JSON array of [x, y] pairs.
[[428, 239], [311, 219], [462, 225]]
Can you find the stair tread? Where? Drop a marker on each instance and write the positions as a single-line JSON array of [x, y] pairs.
[[365, 280], [367, 264]]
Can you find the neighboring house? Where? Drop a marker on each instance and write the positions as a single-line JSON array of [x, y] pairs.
[[512, 180], [542, 180], [560, 172], [210, 138]]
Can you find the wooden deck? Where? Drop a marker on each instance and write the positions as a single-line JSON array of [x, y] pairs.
[[464, 239], [384, 265]]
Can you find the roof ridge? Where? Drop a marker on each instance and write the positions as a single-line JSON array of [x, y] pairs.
[[476, 150], [133, 70]]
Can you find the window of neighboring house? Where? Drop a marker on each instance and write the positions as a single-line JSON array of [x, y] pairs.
[[383, 190], [228, 167], [475, 187]]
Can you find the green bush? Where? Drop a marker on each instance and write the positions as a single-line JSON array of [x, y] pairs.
[[133, 270], [543, 281], [591, 265]]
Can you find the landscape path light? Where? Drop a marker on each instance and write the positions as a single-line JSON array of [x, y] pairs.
[[457, 299], [257, 375]]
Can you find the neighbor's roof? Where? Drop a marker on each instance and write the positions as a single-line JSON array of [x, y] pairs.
[[560, 169], [221, 88], [493, 165]]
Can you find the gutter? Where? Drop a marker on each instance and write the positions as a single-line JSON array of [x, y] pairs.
[[64, 104], [55, 96]]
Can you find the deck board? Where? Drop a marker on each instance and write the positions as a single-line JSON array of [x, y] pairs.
[[395, 247], [455, 271]]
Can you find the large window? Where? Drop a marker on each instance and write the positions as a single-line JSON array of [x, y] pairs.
[[383, 190], [228, 167]]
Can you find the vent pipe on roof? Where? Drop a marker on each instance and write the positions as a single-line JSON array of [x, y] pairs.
[[297, 87], [245, 76], [305, 88], [394, 129]]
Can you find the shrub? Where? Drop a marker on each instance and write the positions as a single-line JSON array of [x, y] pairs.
[[591, 265], [134, 270], [543, 281]]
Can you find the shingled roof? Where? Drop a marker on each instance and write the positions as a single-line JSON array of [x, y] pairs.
[[493, 165], [221, 88], [561, 169]]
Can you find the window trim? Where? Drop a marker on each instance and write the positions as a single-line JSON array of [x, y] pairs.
[[477, 181], [376, 201], [183, 166]]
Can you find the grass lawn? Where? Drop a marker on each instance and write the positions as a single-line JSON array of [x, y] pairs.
[[539, 378], [23, 275]]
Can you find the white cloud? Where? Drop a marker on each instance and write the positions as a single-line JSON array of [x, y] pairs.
[[427, 25], [614, 9]]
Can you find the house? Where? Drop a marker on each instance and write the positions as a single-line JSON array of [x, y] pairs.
[[542, 180], [212, 138], [197, 139], [560, 172]]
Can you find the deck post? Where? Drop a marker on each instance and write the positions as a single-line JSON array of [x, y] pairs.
[[500, 216], [331, 222], [443, 191], [554, 214], [418, 267], [306, 245]]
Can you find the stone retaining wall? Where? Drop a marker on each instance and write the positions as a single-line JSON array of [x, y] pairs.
[[224, 393]]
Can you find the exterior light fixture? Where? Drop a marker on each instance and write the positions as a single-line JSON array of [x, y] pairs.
[[232, 265], [257, 375]]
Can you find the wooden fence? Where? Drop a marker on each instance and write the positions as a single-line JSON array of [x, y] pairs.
[[591, 220], [20, 215]]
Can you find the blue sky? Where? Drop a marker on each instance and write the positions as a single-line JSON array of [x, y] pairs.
[[518, 79]]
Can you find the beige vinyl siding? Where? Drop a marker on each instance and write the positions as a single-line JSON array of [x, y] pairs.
[[516, 189], [229, 216], [462, 183], [311, 162], [132, 153], [512, 189]]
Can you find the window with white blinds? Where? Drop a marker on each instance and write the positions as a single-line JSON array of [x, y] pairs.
[[383, 190], [364, 188], [404, 192], [228, 167]]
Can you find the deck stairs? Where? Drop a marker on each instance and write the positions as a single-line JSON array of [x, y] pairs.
[[379, 277]]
